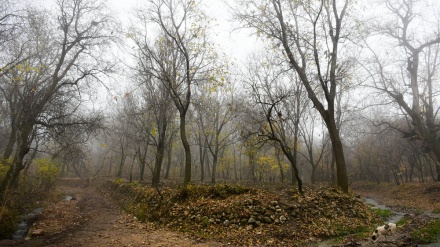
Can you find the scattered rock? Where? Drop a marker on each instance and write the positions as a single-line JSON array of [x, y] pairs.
[[283, 218], [37, 232], [251, 220]]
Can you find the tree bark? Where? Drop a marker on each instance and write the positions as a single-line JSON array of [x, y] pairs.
[[170, 152], [17, 165], [338, 151], [160, 150], [187, 148]]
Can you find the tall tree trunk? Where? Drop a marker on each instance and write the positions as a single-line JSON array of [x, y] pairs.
[[160, 149], [121, 162], [17, 164], [142, 162], [313, 176], [170, 152], [131, 167], [214, 167], [292, 160], [435, 155], [202, 160], [332, 168], [280, 165], [160, 152], [338, 151], [11, 141], [187, 148]]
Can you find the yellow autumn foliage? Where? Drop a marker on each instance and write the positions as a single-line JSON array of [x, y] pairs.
[[47, 172]]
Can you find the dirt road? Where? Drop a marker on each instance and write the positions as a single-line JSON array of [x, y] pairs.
[[93, 219]]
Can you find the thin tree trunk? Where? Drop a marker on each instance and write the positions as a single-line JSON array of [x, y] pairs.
[[131, 167], [202, 159], [160, 151], [292, 160], [121, 162], [187, 148], [11, 141], [280, 165], [170, 152], [214, 168]]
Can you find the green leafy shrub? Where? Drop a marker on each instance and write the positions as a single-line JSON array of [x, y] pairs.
[[428, 233], [47, 173], [8, 222], [118, 181], [4, 168]]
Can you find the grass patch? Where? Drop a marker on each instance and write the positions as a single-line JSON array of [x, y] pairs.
[[383, 213], [404, 221], [428, 233]]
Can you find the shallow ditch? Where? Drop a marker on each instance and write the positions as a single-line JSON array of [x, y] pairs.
[[24, 224], [395, 217], [26, 221]]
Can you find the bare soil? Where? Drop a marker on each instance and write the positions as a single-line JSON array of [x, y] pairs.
[[93, 219]]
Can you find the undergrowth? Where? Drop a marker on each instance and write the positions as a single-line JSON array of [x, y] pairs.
[[28, 194], [429, 233]]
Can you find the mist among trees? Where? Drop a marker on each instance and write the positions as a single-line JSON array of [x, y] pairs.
[[335, 91]]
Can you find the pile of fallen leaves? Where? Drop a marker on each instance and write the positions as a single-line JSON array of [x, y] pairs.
[[248, 216]]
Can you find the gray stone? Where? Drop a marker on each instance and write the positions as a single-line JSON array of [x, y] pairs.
[[251, 220]]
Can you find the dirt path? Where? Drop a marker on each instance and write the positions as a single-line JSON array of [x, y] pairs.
[[92, 219]]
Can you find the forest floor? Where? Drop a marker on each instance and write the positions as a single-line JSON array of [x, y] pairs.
[[90, 217]]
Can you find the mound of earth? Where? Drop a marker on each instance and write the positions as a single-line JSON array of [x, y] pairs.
[[247, 216]]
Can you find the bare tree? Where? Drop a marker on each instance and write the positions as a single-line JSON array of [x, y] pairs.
[[11, 23], [314, 149], [273, 99], [410, 79], [180, 57], [309, 34], [215, 113], [64, 54]]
